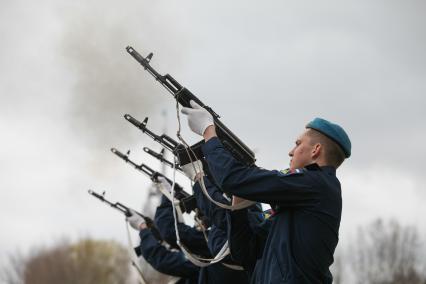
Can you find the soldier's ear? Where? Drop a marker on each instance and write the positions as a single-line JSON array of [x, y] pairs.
[[316, 150]]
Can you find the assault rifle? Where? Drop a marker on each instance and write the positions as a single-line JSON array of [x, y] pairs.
[[187, 202], [160, 157], [229, 140], [167, 142], [126, 211]]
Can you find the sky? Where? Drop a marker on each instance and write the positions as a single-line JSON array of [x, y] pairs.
[[267, 68]]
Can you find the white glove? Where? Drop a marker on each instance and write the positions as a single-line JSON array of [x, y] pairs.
[[135, 220], [198, 118], [165, 184], [192, 169]]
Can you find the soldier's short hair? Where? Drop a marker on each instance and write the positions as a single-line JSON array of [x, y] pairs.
[[333, 153]]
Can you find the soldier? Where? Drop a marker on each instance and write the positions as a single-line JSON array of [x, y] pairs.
[[160, 257], [306, 198]]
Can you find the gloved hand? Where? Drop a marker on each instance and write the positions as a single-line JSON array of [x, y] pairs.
[[189, 170], [135, 220], [198, 118], [165, 184]]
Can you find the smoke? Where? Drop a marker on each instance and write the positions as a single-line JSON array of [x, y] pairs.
[[108, 82]]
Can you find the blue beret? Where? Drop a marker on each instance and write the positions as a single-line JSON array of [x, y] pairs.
[[334, 132]]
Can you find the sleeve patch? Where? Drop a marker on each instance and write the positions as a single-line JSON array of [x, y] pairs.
[[288, 172], [268, 214]]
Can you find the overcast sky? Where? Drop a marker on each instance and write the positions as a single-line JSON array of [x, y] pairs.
[[266, 67]]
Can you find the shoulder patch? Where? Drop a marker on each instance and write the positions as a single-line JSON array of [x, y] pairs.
[[289, 172], [268, 213]]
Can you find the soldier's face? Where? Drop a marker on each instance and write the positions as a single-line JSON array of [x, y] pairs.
[[302, 153]]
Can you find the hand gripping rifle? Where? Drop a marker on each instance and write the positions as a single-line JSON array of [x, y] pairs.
[[229, 140], [187, 202], [126, 211]]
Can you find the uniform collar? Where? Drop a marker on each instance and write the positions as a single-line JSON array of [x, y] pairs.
[[315, 167], [329, 169]]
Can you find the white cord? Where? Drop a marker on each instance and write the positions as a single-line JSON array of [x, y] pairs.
[[233, 266], [133, 256], [201, 226], [241, 205], [172, 200], [199, 261]]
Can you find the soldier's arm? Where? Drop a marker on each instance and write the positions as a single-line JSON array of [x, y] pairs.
[[253, 183], [247, 237], [163, 260], [215, 214], [190, 236]]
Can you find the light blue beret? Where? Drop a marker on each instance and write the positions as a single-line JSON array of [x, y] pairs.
[[334, 132]]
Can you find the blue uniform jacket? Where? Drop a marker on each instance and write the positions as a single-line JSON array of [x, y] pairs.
[[190, 237], [215, 214], [167, 261], [247, 235], [220, 227], [194, 240], [308, 205], [218, 216]]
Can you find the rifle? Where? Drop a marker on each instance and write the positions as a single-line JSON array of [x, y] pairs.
[[126, 211], [160, 157], [167, 142], [229, 140], [187, 202]]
